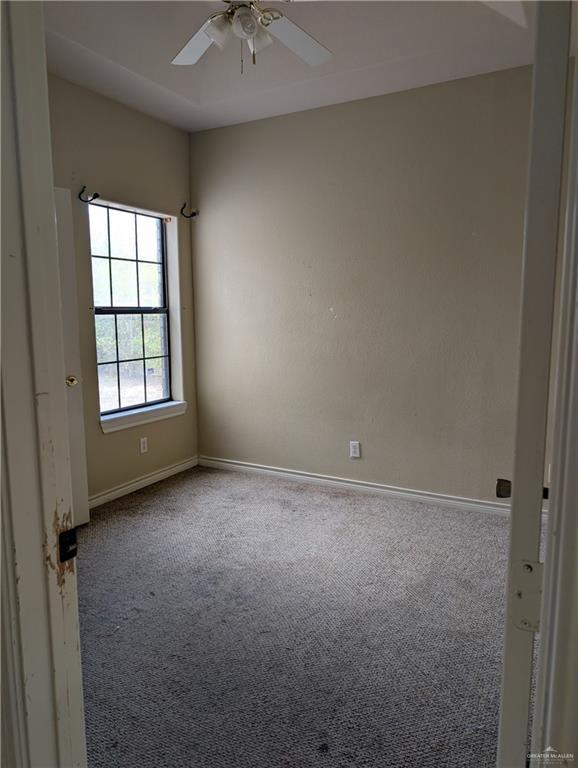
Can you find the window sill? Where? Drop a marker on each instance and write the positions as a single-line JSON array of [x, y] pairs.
[[138, 416]]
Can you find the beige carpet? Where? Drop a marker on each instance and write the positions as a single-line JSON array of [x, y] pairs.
[[237, 621]]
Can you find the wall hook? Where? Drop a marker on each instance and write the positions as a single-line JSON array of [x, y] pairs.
[[88, 199], [190, 215]]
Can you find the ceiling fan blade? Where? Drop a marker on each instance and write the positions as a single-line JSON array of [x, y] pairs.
[[259, 41], [195, 48], [218, 29], [298, 41]]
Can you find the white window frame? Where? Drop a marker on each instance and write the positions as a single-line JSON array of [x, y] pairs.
[[177, 406]]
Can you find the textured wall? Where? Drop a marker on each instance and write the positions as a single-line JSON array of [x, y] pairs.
[[357, 273], [131, 159]]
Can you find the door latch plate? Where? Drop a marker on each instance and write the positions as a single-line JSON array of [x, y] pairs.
[[527, 595]]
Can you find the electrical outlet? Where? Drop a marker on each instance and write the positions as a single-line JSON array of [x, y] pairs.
[[143, 444], [354, 449]]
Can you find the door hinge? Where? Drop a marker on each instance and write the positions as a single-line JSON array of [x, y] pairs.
[[527, 595], [67, 545]]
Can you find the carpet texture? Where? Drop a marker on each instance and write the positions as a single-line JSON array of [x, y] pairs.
[[231, 620]]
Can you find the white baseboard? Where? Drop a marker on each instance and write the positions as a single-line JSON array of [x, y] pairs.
[[473, 505], [141, 482]]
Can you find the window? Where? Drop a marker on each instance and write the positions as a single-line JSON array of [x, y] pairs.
[[131, 310]]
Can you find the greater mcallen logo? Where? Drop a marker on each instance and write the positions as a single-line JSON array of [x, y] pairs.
[[551, 756]]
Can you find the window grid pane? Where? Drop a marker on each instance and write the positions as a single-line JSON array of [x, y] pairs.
[[98, 219], [131, 313], [131, 382], [149, 243], [100, 281], [122, 234], [157, 372], [108, 387], [150, 280], [124, 283], [155, 335], [105, 339], [130, 338]]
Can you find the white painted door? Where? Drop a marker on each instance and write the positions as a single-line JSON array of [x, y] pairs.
[[538, 283], [42, 702], [556, 705], [69, 310]]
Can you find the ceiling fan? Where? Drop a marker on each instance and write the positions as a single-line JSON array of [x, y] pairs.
[[248, 21]]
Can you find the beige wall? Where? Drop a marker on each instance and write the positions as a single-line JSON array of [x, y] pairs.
[[357, 274], [132, 159]]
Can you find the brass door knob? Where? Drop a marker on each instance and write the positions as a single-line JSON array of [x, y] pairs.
[[71, 381]]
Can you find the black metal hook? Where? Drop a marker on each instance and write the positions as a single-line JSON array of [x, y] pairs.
[[190, 215], [87, 199]]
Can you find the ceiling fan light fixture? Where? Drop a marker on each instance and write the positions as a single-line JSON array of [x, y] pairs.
[[218, 29], [244, 23], [260, 41]]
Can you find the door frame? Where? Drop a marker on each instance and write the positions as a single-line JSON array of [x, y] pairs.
[[557, 674], [543, 207], [71, 343]]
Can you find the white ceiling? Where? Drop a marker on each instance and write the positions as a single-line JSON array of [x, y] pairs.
[[123, 50]]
